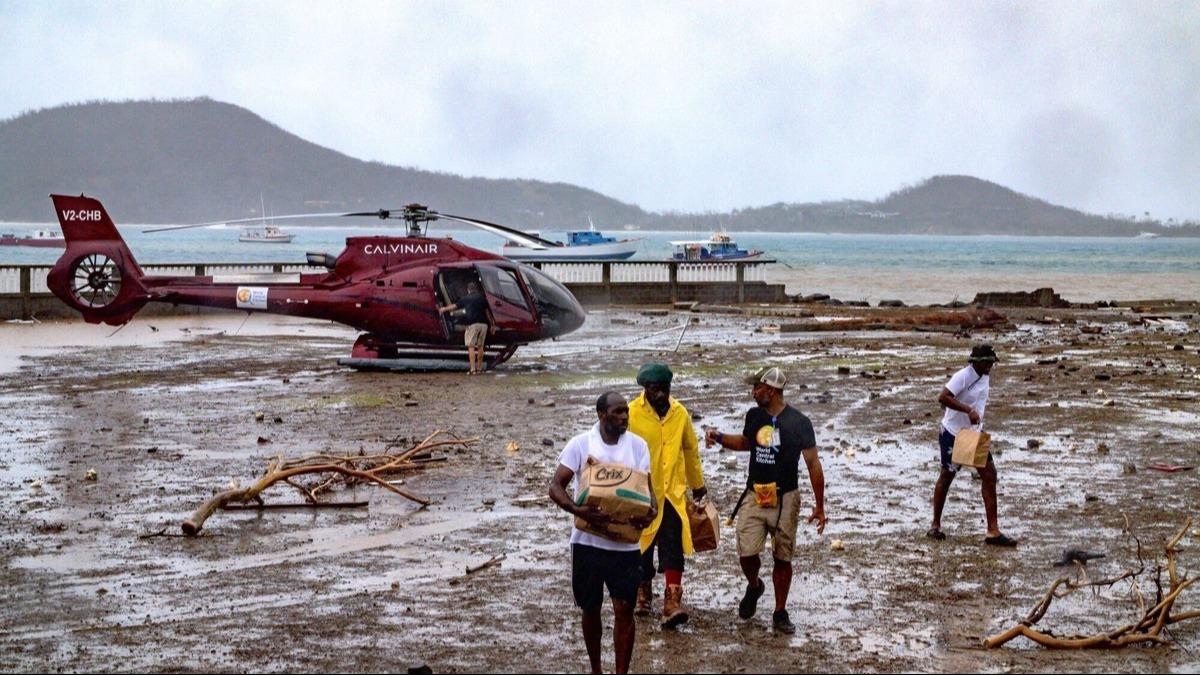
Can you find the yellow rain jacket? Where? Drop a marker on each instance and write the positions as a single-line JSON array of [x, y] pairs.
[[674, 460]]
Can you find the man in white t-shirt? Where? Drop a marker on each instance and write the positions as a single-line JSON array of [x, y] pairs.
[[965, 397], [597, 562]]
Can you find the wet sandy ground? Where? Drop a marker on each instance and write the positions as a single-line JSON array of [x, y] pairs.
[[167, 417]]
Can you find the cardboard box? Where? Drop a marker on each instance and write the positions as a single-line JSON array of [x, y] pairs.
[[705, 525], [620, 492], [971, 448]]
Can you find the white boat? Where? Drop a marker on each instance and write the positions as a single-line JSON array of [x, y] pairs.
[[1148, 235], [581, 245], [268, 234]]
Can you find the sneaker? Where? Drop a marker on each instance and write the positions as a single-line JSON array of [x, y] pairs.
[[782, 623], [749, 603]]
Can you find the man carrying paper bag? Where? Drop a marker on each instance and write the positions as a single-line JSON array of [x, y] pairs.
[[963, 441]]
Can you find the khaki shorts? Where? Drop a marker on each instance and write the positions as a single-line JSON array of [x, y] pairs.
[[476, 334], [755, 522]]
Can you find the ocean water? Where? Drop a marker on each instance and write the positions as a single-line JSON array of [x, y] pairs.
[[913, 268]]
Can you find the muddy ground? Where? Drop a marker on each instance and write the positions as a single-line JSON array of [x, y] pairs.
[[166, 415]]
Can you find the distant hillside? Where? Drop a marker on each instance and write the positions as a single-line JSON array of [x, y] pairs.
[[198, 160], [939, 205]]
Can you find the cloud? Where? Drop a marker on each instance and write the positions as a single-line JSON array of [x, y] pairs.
[[673, 105]]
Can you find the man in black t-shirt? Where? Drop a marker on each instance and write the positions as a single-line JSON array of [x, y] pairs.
[[776, 435], [475, 317]]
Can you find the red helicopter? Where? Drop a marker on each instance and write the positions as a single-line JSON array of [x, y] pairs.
[[388, 287]]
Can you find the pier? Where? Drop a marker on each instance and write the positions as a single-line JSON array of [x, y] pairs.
[[23, 292]]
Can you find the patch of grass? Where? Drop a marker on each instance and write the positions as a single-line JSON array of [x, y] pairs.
[[368, 401]]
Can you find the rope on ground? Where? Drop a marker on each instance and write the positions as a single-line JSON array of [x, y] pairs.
[[620, 347]]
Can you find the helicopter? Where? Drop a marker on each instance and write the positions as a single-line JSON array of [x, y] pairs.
[[386, 286]]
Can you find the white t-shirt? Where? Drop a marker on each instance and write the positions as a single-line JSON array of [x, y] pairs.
[[971, 390], [630, 451]]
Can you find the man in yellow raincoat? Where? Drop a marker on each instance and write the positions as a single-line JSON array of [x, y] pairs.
[[666, 426]]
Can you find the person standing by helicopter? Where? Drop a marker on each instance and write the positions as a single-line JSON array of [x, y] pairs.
[[477, 319]]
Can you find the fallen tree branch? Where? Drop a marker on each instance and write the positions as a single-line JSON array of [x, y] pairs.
[[295, 505], [333, 470], [1147, 629], [496, 560]]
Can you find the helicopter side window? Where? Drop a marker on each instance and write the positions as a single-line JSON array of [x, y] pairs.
[[503, 284]]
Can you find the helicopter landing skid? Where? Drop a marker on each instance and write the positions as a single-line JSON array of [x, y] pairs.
[[371, 354]]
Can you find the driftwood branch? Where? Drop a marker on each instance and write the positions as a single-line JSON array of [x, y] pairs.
[[331, 470], [1146, 630]]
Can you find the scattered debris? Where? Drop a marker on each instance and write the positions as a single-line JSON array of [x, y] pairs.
[[1156, 614], [262, 506], [345, 470], [496, 560], [1169, 468], [1076, 555]]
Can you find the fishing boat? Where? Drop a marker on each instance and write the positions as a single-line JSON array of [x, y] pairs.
[[581, 245], [42, 238], [718, 248], [268, 234]]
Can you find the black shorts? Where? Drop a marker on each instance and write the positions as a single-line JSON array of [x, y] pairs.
[[594, 568]]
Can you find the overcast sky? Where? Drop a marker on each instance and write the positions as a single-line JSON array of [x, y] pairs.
[[673, 106]]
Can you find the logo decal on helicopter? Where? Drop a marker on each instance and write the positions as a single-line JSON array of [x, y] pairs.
[[391, 249], [252, 297]]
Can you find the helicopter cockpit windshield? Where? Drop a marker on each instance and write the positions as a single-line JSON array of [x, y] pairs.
[[559, 311]]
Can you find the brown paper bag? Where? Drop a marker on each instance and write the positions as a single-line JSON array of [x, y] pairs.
[[621, 492], [971, 448], [705, 525]]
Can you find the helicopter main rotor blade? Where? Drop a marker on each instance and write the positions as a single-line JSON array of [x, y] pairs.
[[382, 214], [516, 236]]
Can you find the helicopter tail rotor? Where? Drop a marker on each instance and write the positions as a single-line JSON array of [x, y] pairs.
[[97, 274]]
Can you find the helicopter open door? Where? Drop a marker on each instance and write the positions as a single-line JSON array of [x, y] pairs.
[[510, 306], [451, 284]]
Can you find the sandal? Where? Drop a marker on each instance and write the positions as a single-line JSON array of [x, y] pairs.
[[935, 533], [1000, 540]]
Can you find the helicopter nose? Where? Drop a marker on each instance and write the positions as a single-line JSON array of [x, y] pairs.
[[572, 320], [558, 310]]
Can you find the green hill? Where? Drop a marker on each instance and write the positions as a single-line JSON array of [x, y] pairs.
[[198, 160]]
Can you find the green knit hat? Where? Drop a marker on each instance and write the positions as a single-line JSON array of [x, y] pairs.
[[652, 373]]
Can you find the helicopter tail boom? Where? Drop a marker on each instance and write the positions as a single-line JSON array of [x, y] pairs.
[[97, 274]]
